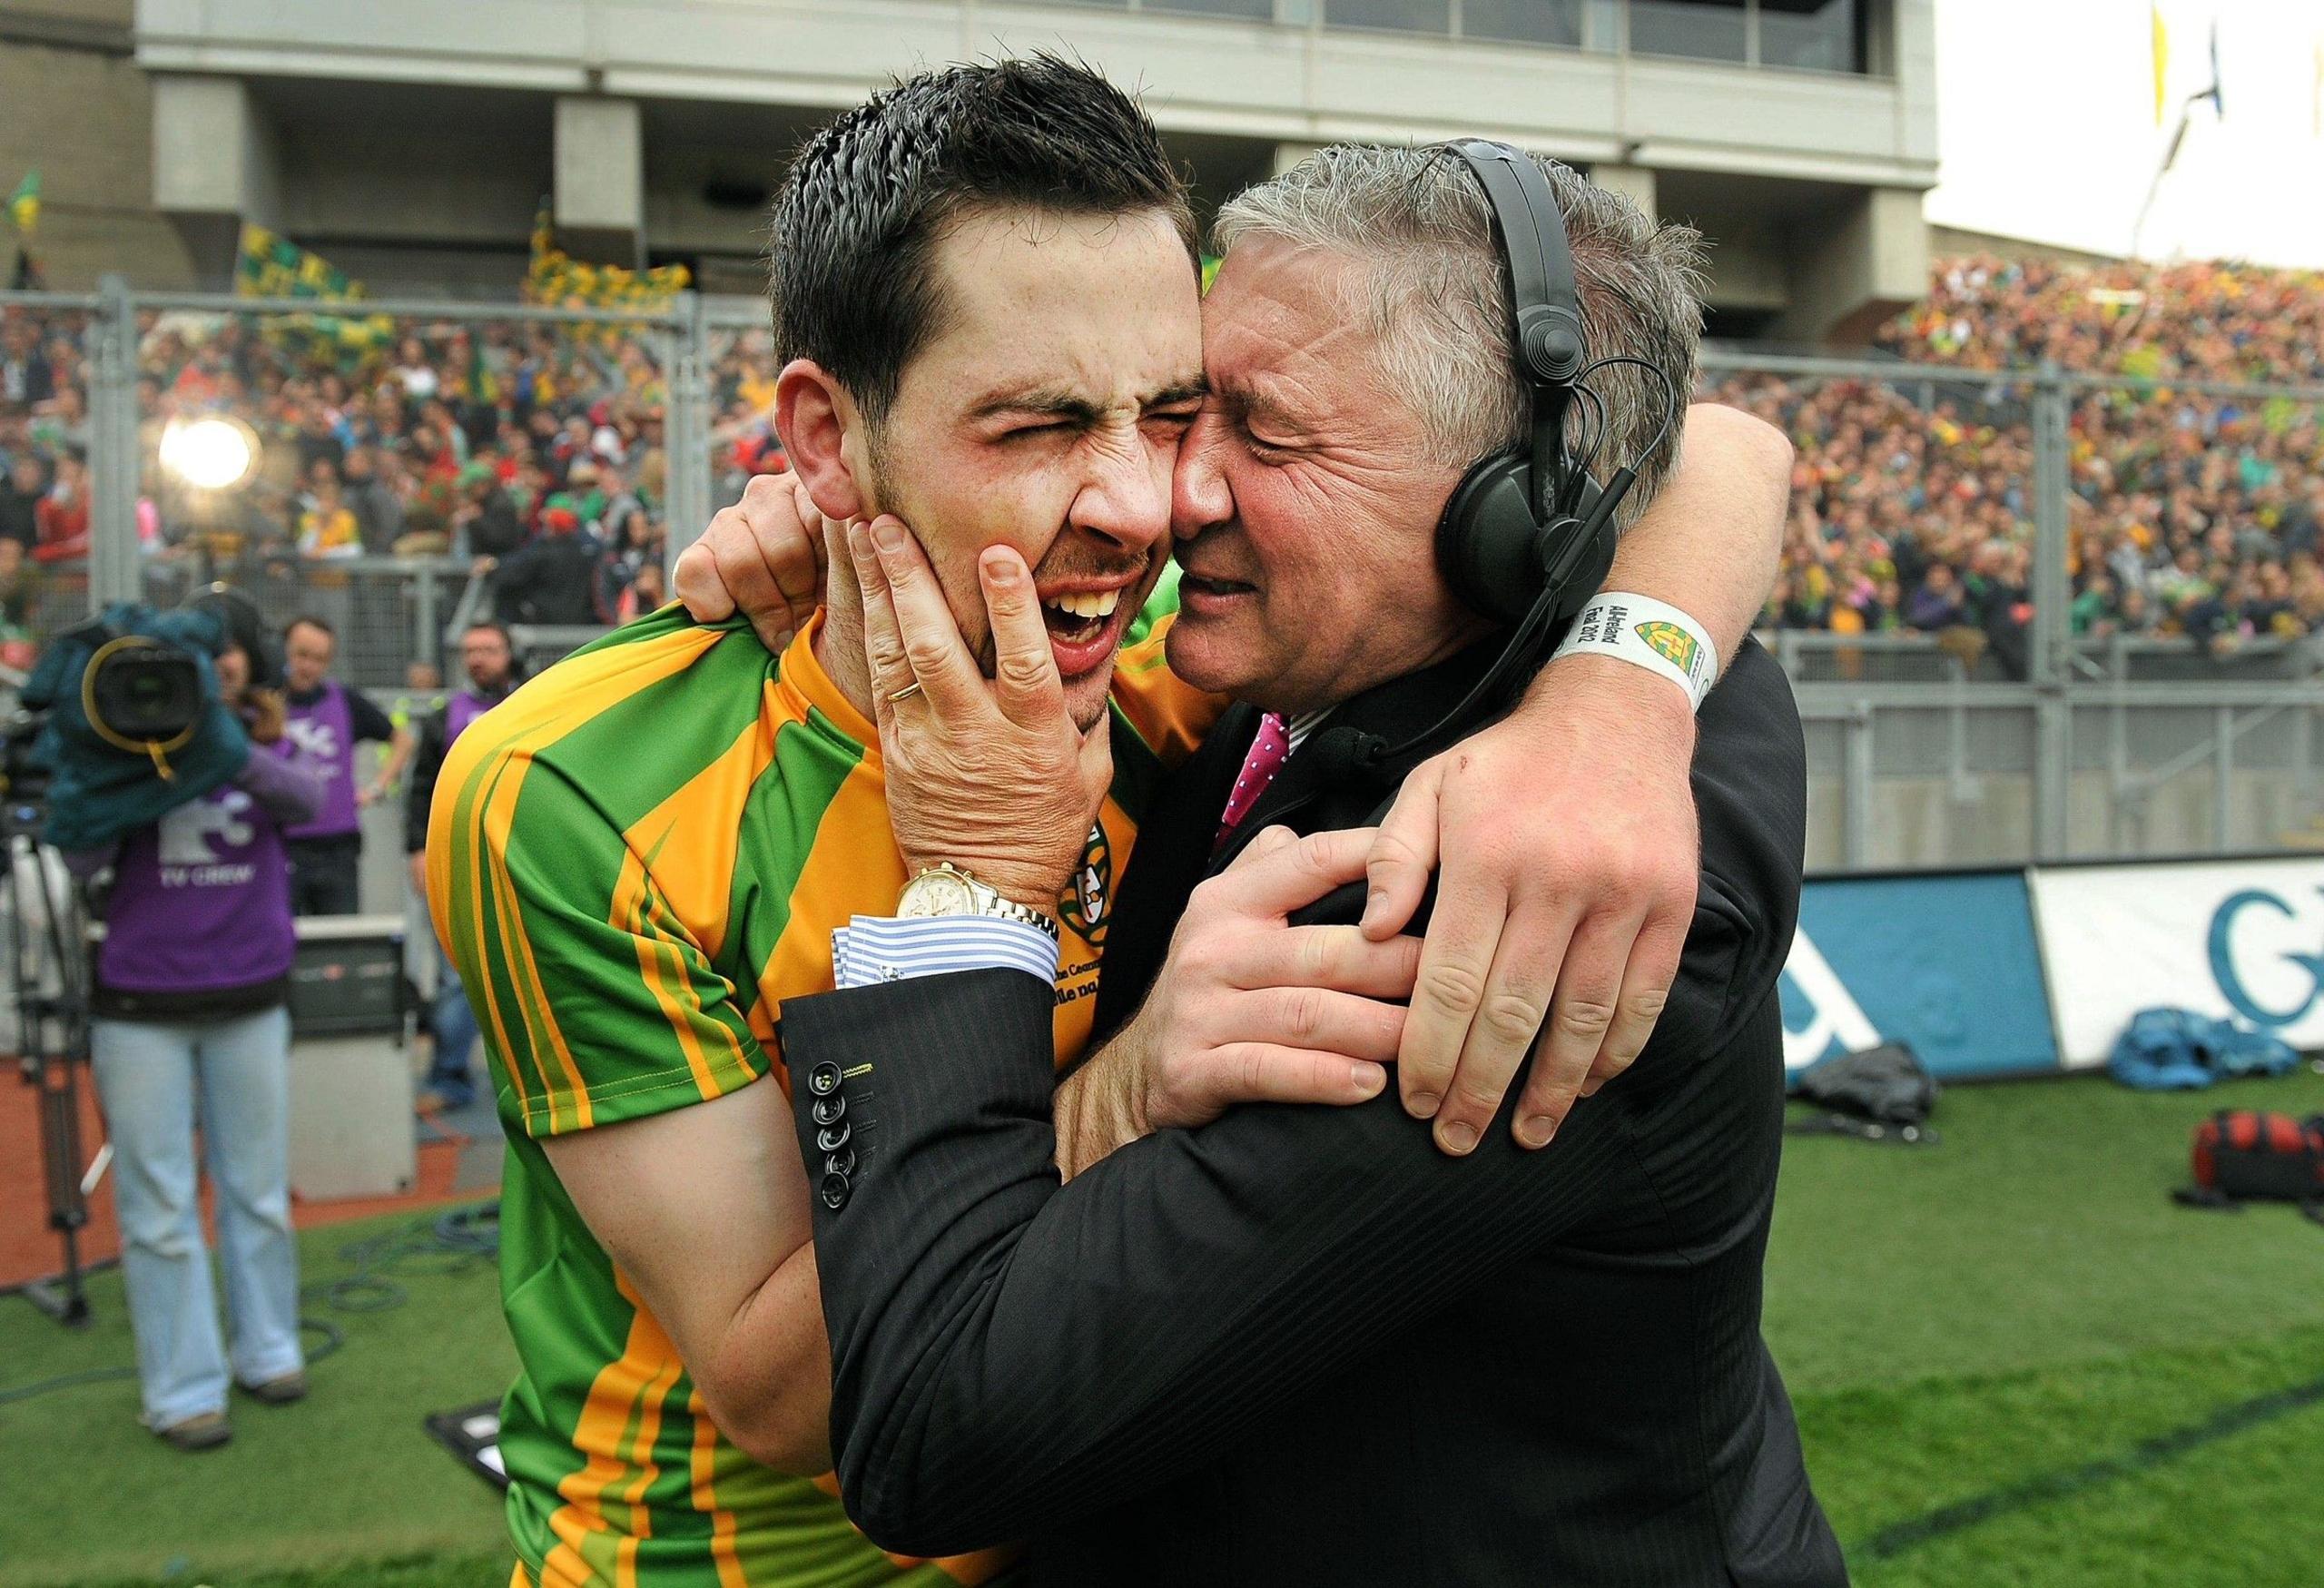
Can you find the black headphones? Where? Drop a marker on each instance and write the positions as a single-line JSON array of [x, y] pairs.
[[1527, 536], [1527, 523]]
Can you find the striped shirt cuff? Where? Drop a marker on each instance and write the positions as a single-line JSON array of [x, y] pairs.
[[874, 948]]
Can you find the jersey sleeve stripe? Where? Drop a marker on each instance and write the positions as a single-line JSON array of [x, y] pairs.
[[691, 839], [491, 974], [845, 868], [607, 1418], [480, 819], [532, 1004], [662, 962], [494, 906], [705, 1499]]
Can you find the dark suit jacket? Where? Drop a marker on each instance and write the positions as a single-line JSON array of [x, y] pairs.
[[1299, 1345]]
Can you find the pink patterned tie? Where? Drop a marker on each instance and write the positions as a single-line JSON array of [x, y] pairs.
[[1259, 767]]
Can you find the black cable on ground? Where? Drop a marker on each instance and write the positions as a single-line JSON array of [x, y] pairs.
[[458, 1241]]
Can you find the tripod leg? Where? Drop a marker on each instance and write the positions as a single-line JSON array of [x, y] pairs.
[[68, 1211]]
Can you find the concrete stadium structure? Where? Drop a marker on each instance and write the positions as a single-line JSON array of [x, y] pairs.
[[412, 141]]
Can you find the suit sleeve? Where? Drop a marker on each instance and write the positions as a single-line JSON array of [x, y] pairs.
[[1010, 1355]]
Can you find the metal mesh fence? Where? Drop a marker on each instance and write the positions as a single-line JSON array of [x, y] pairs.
[[1952, 533]]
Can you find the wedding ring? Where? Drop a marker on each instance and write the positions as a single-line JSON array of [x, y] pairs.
[[906, 693]]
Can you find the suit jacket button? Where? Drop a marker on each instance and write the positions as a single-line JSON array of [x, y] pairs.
[[834, 1190], [824, 1079], [833, 1137], [827, 1111], [841, 1162]]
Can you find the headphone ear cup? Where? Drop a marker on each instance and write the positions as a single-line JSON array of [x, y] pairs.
[[1487, 540]]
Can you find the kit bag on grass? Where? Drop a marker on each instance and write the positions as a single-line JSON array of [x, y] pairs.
[[2242, 1155], [1876, 1094], [2177, 1050]]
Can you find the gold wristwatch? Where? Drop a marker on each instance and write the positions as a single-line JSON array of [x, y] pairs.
[[947, 890]]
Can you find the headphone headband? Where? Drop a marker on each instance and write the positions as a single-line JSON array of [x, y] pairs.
[[1543, 308], [1545, 316]]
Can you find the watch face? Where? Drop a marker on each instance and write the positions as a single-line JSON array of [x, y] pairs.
[[936, 893]]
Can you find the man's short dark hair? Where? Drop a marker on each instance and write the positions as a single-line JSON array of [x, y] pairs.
[[309, 620], [859, 216]]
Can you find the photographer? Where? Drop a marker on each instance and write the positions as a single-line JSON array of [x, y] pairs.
[[191, 1023]]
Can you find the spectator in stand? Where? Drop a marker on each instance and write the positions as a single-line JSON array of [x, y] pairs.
[[633, 545], [61, 518], [589, 498], [27, 377], [486, 521], [19, 595], [318, 441], [1937, 604], [20, 495], [192, 1021], [647, 593], [379, 513], [326, 528], [552, 577], [488, 658], [326, 720]]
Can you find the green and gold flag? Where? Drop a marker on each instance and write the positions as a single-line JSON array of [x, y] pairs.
[[559, 280], [269, 266], [275, 267], [23, 204]]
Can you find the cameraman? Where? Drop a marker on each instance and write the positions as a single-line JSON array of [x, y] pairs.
[[192, 1024]]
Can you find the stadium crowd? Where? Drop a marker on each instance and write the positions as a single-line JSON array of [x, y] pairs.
[[2188, 515], [537, 452]]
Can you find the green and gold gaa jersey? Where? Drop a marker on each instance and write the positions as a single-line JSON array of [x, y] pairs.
[[631, 861]]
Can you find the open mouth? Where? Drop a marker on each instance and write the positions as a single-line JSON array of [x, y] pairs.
[[1086, 626], [1080, 617]]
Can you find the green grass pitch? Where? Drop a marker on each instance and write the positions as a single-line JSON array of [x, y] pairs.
[[2015, 1363]]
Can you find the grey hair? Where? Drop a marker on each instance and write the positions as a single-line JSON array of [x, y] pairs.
[[1435, 296]]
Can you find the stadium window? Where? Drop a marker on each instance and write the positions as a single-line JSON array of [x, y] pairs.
[[1391, 15], [1697, 30], [1250, 10], [1529, 22], [1812, 35]]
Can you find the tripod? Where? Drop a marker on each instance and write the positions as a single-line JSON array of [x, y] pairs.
[[47, 977]]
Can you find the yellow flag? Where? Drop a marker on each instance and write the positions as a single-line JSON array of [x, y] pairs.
[[2161, 57]]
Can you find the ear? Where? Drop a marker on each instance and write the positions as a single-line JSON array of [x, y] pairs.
[[826, 440]]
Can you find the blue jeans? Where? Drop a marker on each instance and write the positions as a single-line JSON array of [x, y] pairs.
[[234, 1076], [451, 1025]]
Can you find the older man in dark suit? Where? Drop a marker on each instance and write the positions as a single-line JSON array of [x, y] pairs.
[[1296, 1343]]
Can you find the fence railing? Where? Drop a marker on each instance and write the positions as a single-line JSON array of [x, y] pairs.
[[2025, 740]]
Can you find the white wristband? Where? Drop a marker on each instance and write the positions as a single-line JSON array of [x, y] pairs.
[[1649, 634]]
